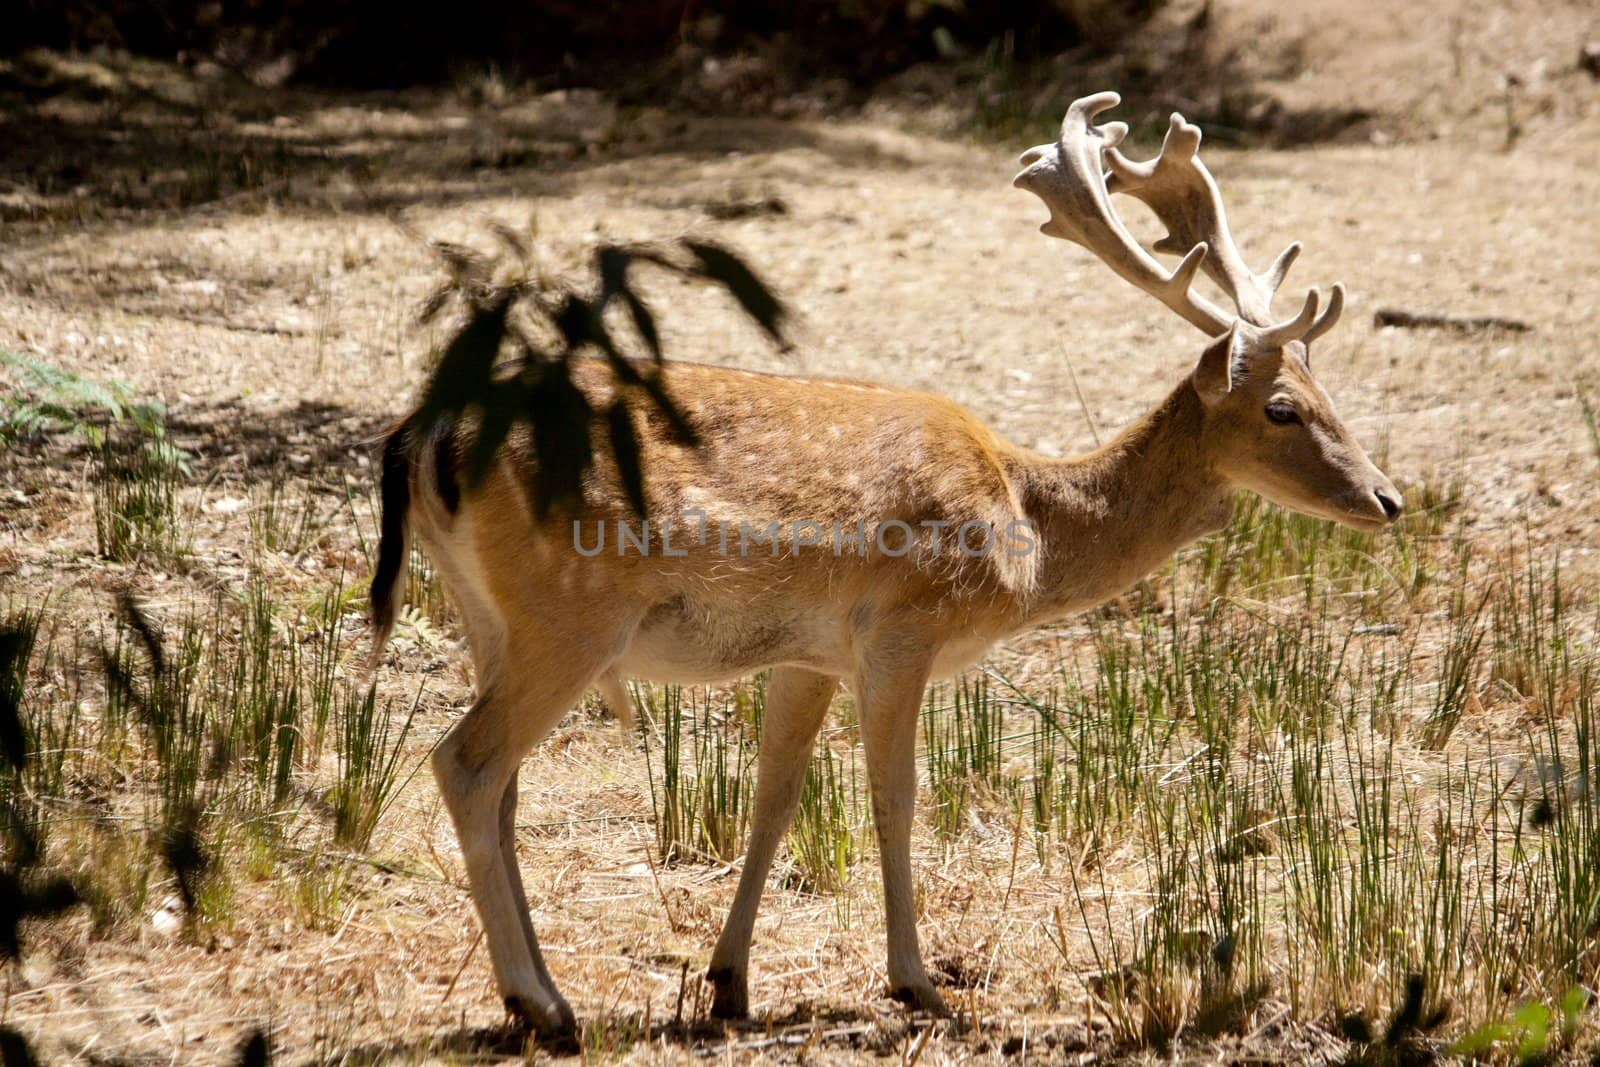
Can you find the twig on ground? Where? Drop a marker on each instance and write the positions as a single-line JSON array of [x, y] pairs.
[[451, 988], [655, 877], [1088, 417], [1427, 320], [219, 323]]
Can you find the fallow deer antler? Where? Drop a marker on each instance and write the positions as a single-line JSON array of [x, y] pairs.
[[1070, 178]]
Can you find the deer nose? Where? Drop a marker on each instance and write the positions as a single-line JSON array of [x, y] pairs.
[[1390, 502]]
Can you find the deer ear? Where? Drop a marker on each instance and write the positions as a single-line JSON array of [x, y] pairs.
[[1213, 376]]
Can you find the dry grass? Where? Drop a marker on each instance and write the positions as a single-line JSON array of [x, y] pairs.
[[268, 310]]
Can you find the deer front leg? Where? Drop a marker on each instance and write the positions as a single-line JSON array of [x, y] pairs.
[[891, 696], [797, 701]]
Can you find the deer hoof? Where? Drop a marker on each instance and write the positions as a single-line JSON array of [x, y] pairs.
[[923, 997], [554, 1025], [731, 998]]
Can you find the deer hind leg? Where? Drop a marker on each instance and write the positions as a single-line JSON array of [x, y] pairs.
[[508, 856], [891, 697], [797, 700], [524, 693]]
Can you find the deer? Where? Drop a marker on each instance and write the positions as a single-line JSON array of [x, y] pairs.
[[548, 616]]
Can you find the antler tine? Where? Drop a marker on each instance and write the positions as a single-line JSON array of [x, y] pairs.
[[1329, 317], [1295, 329], [1069, 178], [1280, 266], [1181, 191]]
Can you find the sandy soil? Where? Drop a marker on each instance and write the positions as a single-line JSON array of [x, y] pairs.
[[275, 322]]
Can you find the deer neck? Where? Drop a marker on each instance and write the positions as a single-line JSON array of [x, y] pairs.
[[1107, 519]]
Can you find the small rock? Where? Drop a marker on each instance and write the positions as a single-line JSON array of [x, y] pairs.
[[228, 505], [167, 920]]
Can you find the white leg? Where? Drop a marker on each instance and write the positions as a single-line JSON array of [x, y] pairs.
[[797, 701], [508, 855], [614, 691], [891, 699]]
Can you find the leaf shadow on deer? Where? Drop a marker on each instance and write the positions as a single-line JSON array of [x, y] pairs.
[[534, 387]]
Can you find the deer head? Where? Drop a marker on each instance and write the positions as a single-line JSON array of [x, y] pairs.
[[1268, 426]]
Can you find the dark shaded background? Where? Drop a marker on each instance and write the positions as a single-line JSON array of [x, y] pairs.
[[382, 44]]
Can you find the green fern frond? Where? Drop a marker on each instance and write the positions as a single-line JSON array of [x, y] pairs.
[[42, 395]]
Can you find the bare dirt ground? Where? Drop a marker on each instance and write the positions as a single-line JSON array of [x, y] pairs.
[[267, 301]]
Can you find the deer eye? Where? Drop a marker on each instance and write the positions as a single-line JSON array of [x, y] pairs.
[[1283, 414]]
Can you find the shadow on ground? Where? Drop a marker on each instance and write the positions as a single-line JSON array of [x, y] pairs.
[[231, 437], [314, 436], [114, 139], [796, 1033]]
